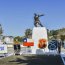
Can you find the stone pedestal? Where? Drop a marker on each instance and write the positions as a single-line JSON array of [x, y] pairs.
[[39, 33]]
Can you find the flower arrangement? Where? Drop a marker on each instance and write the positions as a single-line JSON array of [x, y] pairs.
[[42, 43]]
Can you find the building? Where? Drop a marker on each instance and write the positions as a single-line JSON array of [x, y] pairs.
[[9, 39]]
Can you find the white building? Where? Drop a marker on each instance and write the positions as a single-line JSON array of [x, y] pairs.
[[9, 39]]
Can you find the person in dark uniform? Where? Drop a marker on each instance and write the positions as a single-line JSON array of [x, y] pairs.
[[37, 21], [59, 46]]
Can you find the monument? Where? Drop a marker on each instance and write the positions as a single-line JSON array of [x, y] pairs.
[[39, 44], [39, 35]]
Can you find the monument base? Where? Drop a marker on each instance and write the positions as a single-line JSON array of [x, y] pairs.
[[39, 33]]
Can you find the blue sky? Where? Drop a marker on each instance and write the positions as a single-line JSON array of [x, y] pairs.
[[17, 15]]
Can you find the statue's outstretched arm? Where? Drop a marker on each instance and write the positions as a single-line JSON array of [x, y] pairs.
[[40, 15]]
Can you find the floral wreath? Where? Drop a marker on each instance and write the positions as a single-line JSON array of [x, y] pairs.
[[42, 43]]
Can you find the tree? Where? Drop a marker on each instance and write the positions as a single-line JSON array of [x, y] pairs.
[[54, 33], [1, 31], [62, 37], [18, 39], [28, 33]]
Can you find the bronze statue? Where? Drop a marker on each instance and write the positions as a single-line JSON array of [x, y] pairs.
[[36, 20]]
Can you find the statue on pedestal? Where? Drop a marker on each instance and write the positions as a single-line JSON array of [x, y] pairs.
[[37, 21]]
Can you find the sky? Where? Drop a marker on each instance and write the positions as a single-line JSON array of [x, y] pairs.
[[17, 15]]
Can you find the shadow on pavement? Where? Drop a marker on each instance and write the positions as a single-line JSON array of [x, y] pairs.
[[40, 60]]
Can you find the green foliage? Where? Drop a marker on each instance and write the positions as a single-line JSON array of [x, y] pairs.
[[18, 38], [1, 31], [28, 33], [62, 37], [54, 32]]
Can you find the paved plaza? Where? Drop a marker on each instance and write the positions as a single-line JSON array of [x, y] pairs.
[[32, 60]]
